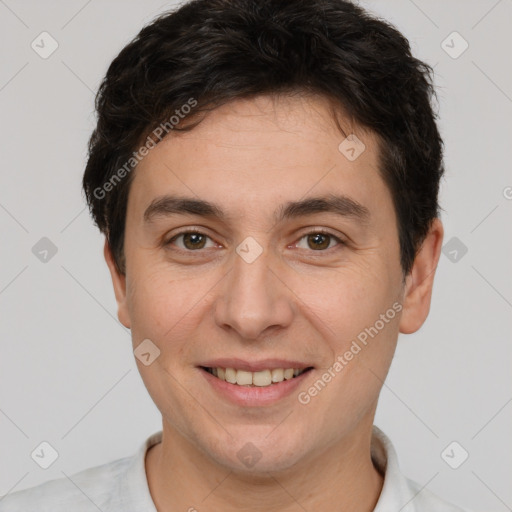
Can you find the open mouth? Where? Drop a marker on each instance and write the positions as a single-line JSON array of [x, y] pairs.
[[261, 378]]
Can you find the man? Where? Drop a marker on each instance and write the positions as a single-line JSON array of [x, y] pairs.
[[266, 176]]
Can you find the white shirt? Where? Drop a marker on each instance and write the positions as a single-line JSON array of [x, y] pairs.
[[121, 486]]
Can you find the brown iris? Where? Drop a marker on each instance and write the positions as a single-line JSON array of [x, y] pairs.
[[194, 240], [319, 241]]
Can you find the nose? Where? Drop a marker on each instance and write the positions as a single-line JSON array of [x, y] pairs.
[[254, 299]]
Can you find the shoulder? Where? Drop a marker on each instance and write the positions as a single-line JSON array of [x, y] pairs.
[[398, 491], [78, 492], [426, 501]]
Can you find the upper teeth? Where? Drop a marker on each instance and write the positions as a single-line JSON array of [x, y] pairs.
[[261, 378]]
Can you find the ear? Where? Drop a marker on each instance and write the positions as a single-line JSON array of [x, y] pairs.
[[119, 283], [420, 280]]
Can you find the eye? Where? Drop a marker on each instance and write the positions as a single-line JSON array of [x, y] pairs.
[[190, 240], [193, 240], [319, 241]]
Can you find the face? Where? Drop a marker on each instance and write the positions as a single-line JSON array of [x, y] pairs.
[[294, 258]]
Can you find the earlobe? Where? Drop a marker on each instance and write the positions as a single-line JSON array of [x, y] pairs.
[[420, 281], [119, 284]]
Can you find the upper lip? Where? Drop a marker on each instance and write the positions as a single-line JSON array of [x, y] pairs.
[[254, 366]]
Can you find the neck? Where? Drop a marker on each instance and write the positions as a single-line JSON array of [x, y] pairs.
[[342, 477]]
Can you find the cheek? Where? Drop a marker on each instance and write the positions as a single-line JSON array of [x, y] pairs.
[[361, 346], [156, 301], [341, 302], [166, 306]]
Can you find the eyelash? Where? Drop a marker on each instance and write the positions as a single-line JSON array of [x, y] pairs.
[[319, 231]]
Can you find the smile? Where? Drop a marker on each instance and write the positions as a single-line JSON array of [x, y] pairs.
[[262, 378]]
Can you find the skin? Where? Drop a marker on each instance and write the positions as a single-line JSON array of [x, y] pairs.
[[293, 302]]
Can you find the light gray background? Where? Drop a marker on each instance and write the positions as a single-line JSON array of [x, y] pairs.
[[67, 373]]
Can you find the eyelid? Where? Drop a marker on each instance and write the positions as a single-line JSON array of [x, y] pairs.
[[323, 231], [311, 231], [185, 232]]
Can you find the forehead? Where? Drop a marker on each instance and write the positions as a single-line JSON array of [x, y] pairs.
[[251, 154]]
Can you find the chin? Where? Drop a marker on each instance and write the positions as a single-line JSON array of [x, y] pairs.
[[257, 450]]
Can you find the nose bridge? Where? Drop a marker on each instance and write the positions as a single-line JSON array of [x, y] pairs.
[[253, 299]]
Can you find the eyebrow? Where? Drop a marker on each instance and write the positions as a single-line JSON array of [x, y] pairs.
[[340, 205]]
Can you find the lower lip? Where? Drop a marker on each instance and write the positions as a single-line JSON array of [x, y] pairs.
[[254, 395]]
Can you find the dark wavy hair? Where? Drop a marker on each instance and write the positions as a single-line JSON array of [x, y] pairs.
[[215, 51]]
